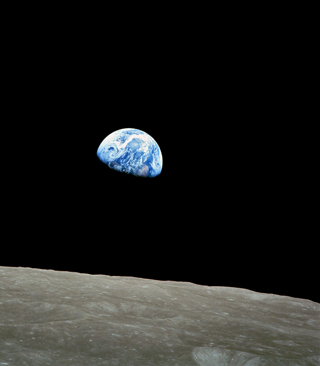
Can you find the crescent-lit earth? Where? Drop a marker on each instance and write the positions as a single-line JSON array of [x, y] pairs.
[[131, 151]]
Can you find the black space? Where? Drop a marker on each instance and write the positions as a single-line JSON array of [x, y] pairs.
[[233, 204]]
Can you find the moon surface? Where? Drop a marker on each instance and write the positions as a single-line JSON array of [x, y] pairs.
[[51, 318]]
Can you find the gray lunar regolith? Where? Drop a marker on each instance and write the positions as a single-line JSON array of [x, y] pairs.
[[51, 318]]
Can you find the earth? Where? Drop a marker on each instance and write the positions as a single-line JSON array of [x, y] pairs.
[[131, 151]]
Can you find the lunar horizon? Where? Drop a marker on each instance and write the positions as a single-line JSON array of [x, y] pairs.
[[64, 318]]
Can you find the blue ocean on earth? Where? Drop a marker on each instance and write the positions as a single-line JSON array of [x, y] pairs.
[[131, 151]]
